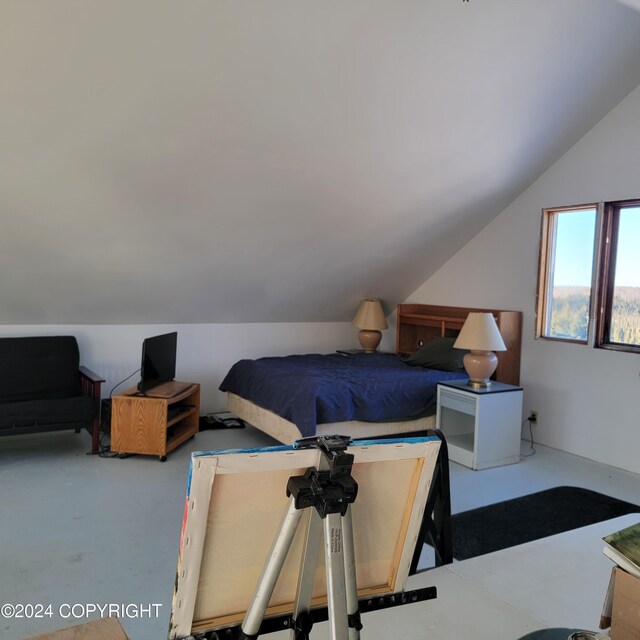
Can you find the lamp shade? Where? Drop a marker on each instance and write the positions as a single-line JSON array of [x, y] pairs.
[[370, 316], [371, 321], [480, 333]]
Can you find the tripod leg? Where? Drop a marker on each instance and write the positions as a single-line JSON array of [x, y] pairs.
[[308, 567], [334, 565], [281, 545], [351, 586]]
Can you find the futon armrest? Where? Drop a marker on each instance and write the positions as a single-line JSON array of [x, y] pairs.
[[90, 384], [90, 375]]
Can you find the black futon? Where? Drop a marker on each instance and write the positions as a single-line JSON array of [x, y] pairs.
[[43, 387]]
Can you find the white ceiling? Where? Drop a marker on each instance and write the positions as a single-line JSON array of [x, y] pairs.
[[277, 160]]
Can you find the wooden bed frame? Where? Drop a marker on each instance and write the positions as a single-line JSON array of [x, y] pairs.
[[417, 324]]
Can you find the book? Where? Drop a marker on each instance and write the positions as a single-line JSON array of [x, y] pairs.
[[623, 547]]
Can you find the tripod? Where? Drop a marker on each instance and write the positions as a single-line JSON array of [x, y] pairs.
[[328, 491]]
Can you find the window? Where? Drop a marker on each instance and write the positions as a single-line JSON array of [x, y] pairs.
[[619, 300], [568, 243], [578, 284]]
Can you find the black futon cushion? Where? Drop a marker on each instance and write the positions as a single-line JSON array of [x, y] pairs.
[[61, 411], [40, 385], [39, 368]]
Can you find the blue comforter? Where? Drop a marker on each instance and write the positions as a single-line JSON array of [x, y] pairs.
[[314, 389]]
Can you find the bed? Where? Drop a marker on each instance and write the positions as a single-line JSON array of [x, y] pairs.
[[297, 396]]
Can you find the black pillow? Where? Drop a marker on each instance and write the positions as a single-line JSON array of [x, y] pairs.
[[438, 354]]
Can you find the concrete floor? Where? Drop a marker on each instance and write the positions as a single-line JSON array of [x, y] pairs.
[[79, 530]]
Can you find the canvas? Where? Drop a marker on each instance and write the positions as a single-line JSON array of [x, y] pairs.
[[234, 507]]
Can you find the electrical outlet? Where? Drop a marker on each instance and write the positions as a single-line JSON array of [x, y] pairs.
[[533, 416]]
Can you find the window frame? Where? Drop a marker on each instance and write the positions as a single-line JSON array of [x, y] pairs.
[[607, 258], [602, 273], [545, 266]]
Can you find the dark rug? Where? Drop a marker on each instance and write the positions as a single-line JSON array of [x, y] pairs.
[[506, 524]]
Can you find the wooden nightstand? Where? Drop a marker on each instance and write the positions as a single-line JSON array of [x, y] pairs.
[[481, 425]]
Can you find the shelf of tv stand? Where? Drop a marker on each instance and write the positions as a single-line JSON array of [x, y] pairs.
[[141, 423]]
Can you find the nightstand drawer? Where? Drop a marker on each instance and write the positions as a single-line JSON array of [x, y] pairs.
[[457, 402]]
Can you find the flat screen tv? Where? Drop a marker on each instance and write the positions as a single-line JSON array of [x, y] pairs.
[[158, 361]]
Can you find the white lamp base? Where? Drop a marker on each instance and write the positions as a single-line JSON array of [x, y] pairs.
[[480, 366], [369, 339]]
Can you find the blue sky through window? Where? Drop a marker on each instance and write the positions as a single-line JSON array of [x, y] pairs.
[[628, 262], [575, 236]]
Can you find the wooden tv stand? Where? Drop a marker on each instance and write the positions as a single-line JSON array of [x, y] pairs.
[[157, 422]]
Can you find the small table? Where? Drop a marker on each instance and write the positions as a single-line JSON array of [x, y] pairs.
[[551, 583], [550, 586], [157, 422], [481, 425]]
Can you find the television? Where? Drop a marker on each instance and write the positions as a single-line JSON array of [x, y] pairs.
[[158, 361]]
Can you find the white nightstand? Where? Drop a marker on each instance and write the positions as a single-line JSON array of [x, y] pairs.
[[481, 425]]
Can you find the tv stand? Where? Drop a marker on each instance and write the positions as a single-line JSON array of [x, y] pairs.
[[141, 423]]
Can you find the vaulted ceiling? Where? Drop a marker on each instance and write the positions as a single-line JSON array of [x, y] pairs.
[[277, 160]]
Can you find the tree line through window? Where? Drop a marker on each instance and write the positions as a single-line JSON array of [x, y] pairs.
[[589, 278]]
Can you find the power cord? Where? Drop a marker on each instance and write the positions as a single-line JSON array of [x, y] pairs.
[[123, 381], [105, 446], [532, 450]]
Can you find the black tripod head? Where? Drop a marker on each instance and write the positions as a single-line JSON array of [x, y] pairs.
[[329, 491]]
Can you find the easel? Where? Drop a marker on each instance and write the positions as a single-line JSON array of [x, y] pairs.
[[328, 491]]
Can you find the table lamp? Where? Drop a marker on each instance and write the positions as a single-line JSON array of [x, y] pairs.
[[371, 321], [481, 336]]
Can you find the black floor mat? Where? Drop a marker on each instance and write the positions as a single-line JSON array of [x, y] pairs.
[[542, 514]]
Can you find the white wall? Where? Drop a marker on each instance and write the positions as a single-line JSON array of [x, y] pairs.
[[205, 351], [587, 398], [258, 153]]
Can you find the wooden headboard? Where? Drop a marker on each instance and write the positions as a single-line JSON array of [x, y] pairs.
[[419, 323]]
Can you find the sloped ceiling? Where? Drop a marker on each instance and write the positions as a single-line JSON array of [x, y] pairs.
[[272, 160]]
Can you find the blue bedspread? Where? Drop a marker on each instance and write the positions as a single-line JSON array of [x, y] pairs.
[[314, 389]]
